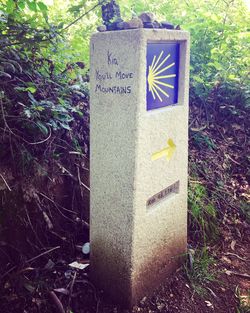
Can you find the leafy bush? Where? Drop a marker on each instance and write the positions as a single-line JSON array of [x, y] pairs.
[[44, 132], [37, 98]]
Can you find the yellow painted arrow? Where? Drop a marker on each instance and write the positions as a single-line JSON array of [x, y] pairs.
[[168, 151]]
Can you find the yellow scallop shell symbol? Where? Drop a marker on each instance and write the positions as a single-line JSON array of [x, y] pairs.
[[155, 76]]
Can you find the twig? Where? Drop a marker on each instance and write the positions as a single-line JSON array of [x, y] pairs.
[[71, 175], [233, 160], [26, 141], [5, 182], [39, 142], [55, 204], [240, 274], [212, 292], [71, 288], [27, 269], [237, 256], [79, 179], [7, 273], [57, 302], [195, 181], [97, 305], [32, 228], [81, 16], [31, 41], [47, 220], [42, 254]]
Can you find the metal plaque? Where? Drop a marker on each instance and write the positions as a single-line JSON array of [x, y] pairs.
[[172, 189]]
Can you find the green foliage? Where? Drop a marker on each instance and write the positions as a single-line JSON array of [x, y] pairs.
[[245, 209], [203, 222], [204, 141], [198, 269], [40, 100], [219, 35]]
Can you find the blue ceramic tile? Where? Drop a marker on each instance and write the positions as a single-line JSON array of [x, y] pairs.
[[162, 74]]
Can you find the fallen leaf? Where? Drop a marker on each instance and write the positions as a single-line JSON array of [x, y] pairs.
[[62, 290], [226, 260], [233, 243], [209, 304], [79, 266]]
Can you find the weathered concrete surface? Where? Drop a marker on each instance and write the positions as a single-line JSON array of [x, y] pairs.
[[134, 247]]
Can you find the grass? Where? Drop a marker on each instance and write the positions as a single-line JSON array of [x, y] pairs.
[[203, 222], [198, 270]]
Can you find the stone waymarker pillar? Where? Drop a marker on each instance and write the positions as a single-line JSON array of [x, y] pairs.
[[139, 150]]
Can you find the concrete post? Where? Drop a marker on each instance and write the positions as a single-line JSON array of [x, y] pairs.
[[139, 149]]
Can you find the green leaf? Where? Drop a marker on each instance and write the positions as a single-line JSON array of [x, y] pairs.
[[31, 89], [65, 126], [53, 124], [60, 25], [39, 108], [32, 6], [42, 6], [27, 112], [21, 5], [10, 6], [42, 128]]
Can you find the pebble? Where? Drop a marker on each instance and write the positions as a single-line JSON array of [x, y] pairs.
[[102, 28], [116, 25], [111, 26], [133, 24], [146, 17], [86, 248], [148, 25], [154, 24], [120, 26], [167, 25]]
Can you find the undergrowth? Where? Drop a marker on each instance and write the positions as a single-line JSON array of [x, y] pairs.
[[198, 269], [44, 139], [203, 221]]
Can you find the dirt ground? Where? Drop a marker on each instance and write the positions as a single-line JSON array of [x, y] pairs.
[[228, 292]]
